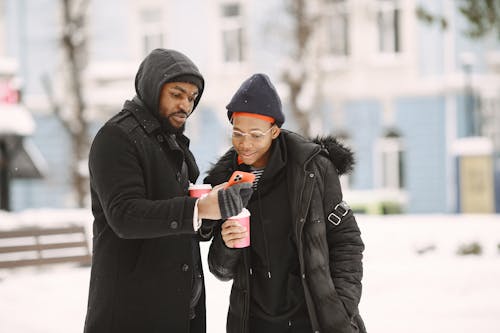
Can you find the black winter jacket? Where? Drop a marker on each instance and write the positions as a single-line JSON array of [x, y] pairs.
[[330, 255], [144, 245]]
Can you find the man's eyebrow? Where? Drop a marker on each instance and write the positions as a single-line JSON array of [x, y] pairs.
[[185, 91]]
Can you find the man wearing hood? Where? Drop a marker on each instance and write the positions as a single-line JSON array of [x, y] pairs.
[[302, 272], [146, 273]]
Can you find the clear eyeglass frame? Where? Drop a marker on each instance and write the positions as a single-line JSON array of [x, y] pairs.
[[254, 135]]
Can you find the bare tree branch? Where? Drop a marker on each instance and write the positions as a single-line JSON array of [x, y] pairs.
[[54, 105]]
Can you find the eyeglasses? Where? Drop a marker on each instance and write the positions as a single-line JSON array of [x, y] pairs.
[[254, 135]]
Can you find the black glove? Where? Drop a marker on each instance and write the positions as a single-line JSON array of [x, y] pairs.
[[233, 199]]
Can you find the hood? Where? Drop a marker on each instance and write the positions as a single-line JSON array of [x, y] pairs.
[[159, 67], [302, 149], [340, 155]]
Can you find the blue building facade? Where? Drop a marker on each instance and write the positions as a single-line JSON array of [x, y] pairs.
[[393, 87]]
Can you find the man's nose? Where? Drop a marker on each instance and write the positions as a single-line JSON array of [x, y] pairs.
[[246, 141], [185, 105]]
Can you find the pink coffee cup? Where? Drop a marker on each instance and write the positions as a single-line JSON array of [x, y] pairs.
[[198, 190], [243, 218]]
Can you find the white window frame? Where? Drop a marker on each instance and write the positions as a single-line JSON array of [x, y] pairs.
[[389, 41], [337, 16], [390, 151], [151, 30], [489, 118], [234, 52]]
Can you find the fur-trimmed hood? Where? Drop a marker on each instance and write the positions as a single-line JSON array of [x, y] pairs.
[[301, 149], [341, 155]]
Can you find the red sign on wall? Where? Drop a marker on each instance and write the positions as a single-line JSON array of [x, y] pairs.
[[8, 93]]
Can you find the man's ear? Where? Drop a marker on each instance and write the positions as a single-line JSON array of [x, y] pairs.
[[276, 131]]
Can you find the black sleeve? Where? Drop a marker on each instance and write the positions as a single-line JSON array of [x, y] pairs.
[[345, 246], [222, 261], [117, 179]]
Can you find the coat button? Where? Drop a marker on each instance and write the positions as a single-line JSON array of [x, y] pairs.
[[174, 225], [311, 175], [185, 267], [159, 137]]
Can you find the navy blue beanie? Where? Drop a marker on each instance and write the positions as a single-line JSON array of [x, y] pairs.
[[257, 95]]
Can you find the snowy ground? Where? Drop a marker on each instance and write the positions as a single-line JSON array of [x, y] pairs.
[[437, 291]]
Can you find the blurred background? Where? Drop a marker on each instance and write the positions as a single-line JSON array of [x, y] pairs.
[[412, 86]]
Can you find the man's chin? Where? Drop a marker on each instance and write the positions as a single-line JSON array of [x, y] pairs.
[[179, 130], [248, 160], [177, 125], [170, 128]]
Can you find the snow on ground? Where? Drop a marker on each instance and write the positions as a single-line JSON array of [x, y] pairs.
[[436, 291]]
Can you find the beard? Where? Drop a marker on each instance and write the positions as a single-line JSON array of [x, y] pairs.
[[168, 128]]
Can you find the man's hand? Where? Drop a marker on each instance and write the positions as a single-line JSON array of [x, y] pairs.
[[208, 206], [222, 203], [232, 232]]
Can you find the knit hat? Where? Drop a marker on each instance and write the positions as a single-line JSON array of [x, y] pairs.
[[257, 95], [189, 78]]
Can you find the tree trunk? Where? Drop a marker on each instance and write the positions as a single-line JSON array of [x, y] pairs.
[[303, 29], [73, 44]]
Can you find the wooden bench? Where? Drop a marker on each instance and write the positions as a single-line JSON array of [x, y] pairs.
[[35, 246]]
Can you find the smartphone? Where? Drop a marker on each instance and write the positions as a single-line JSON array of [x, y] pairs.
[[240, 177]]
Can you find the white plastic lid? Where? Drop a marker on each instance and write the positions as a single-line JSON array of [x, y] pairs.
[[244, 213], [200, 186]]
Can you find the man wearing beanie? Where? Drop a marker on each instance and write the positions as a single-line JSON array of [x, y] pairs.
[[302, 271], [146, 273]]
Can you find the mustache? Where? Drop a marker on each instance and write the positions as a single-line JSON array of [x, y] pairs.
[[180, 112]]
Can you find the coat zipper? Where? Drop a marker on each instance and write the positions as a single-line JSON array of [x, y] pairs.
[[309, 178]]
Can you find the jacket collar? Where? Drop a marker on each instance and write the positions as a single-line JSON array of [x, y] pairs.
[[300, 149], [177, 143], [145, 119], [277, 158]]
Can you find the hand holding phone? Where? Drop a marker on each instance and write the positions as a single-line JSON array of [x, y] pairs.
[[240, 177]]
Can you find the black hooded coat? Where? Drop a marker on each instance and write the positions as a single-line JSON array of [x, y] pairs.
[[145, 251], [330, 255]]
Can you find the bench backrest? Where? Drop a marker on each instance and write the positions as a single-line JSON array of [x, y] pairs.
[[40, 246]]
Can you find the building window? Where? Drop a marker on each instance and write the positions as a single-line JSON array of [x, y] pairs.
[[391, 157], [337, 28], [388, 26], [152, 29], [232, 33], [489, 119]]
